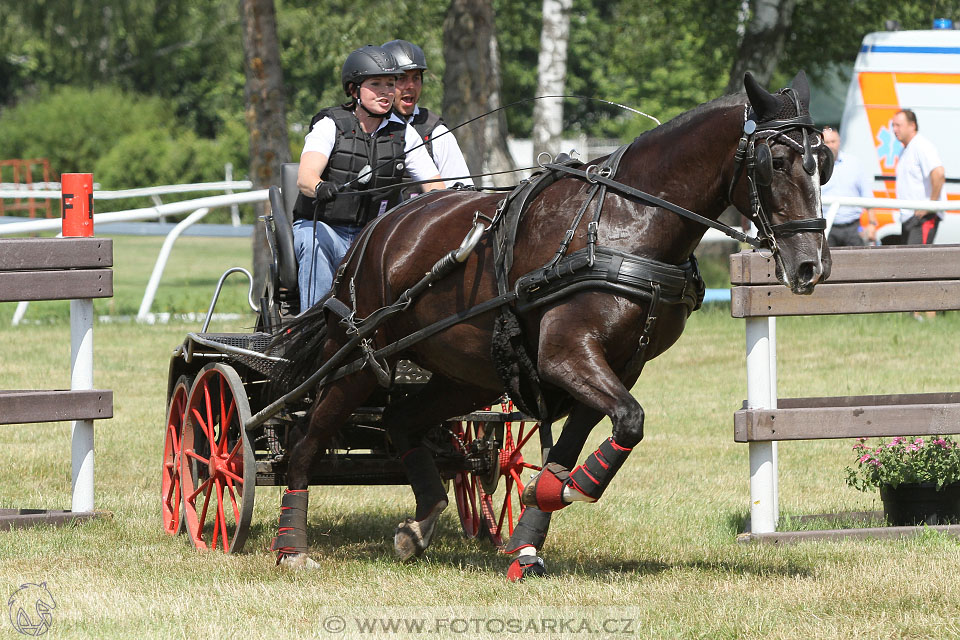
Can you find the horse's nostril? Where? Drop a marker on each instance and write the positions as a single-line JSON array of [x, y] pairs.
[[807, 272]]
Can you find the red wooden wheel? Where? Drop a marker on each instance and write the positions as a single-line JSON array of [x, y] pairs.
[[217, 467], [466, 485], [170, 494], [501, 508], [486, 505]]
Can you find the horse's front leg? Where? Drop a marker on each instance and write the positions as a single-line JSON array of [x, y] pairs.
[[584, 372], [531, 531]]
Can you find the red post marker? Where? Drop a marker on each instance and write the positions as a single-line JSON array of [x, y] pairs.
[[76, 204]]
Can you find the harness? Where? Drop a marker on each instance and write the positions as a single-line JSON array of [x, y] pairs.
[[353, 154]]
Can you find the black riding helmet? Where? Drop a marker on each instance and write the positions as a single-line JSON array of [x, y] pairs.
[[409, 56], [367, 62]]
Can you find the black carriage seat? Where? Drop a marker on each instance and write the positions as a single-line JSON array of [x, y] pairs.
[[282, 199]]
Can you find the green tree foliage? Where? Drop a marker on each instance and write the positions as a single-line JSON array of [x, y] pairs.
[[826, 32], [661, 58], [649, 55], [184, 50]]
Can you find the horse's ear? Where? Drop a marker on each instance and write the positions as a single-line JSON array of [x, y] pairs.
[[802, 87], [761, 100]]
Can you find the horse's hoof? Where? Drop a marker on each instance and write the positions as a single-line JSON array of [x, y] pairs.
[[525, 567], [296, 561], [412, 537]]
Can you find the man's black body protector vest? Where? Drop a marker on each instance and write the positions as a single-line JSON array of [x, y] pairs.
[[353, 150], [424, 122]]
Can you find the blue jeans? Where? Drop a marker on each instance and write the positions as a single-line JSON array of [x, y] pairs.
[[319, 252]]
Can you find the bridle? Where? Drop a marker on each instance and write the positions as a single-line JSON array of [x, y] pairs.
[[756, 161]]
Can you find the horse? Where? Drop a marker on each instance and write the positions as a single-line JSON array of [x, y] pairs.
[[580, 347]]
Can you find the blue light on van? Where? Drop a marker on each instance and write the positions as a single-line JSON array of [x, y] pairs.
[[943, 23]]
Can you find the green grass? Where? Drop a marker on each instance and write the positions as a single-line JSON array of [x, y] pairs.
[[659, 549], [189, 279]]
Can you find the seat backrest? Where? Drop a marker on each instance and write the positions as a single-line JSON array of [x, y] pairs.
[[288, 187], [282, 205]]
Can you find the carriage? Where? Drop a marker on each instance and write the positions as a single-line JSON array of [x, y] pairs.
[[216, 454], [559, 293]]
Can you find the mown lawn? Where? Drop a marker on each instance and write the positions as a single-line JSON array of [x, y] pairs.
[[657, 555]]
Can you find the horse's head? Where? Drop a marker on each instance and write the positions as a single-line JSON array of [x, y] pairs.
[[784, 160]]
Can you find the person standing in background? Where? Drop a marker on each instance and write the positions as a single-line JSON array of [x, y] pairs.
[[848, 179], [920, 176]]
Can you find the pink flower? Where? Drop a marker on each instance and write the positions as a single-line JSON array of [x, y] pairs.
[[864, 458], [918, 441]]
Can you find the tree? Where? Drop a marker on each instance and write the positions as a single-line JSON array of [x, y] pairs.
[[471, 86], [762, 44], [551, 74], [265, 113]]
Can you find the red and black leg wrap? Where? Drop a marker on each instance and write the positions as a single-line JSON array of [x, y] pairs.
[[592, 477], [546, 491], [292, 533], [531, 531], [424, 479], [525, 567]]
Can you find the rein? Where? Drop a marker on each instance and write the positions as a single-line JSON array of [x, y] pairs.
[[594, 177]]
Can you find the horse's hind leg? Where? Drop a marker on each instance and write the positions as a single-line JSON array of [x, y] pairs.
[[408, 420], [585, 373], [334, 404]]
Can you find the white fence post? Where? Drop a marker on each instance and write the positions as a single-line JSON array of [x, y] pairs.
[[81, 378], [761, 394]]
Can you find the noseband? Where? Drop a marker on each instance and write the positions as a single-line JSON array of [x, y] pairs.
[[758, 162]]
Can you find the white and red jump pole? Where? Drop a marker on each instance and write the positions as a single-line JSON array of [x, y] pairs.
[[77, 208]]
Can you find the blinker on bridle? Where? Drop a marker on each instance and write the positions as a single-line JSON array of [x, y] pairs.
[[757, 159]]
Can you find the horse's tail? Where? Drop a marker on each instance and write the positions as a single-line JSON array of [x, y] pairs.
[[301, 344]]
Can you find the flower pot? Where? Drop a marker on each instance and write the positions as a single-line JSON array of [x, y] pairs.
[[921, 503]]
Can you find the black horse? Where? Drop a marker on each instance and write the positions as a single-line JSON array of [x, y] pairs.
[[594, 279]]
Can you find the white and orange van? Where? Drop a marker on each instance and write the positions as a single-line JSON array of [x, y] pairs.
[[918, 70]]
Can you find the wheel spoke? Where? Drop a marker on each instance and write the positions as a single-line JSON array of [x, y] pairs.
[[192, 498], [208, 404], [508, 484], [231, 475], [527, 465], [206, 503], [190, 453], [524, 440], [233, 500]]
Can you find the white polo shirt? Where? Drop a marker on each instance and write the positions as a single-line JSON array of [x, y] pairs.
[[419, 164], [447, 155], [916, 162]]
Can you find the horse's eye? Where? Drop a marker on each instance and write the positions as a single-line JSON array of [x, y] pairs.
[[779, 164]]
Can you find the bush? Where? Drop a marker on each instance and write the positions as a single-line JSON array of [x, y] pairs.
[[169, 156], [73, 127]]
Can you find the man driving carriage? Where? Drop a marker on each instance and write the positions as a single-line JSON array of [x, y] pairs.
[[350, 153]]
